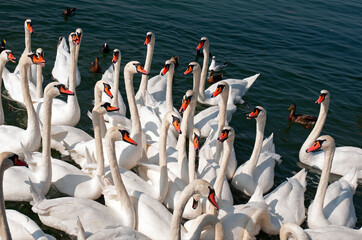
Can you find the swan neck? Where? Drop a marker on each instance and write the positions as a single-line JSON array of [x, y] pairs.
[[73, 67], [192, 159], [39, 81], [27, 41], [96, 119], [169, 101], [143, 85], [227, 145], [4, 227], [97, 95], [260, 125], [126, 204], [292, 230], [163, 161], [2, 65], [116, 83], [222, 120], [208, 220], [136, 123], [204, 73]]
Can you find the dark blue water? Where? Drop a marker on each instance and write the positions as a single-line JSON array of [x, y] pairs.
[[298, 47]]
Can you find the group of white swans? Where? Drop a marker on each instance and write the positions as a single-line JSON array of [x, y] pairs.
[[164, 196]]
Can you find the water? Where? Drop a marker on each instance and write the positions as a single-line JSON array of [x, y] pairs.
[[299, 48]]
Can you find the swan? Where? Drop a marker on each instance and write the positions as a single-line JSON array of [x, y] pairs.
[[211, 150], [293, 231], [65, 138], [13, 224], [128, 156], [345, 158], [111, 76], [332, 205], [238, 87], [119, 233], [63, 59], [40, 171], [39, 76], [65, 113], [5, 56], [61, 213], [259, 169], [12, 136], [216, 67]]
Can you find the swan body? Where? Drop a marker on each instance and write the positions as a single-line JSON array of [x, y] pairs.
[[332, 205], [62, 64], [216, 67], [345, 158], [259, 169], [238, 87]]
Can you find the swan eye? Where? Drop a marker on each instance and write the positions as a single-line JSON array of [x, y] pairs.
[[30, 27], [148, 39], [196, 142], [253, 114], [107, 90], [201, 44], [127, 138], [224, 135], [165, 69], [115, 57], [321, 98], [218, 90], [11, 57], [316, 146], [176, 124], [185, 103]]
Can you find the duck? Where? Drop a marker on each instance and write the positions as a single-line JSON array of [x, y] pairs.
[[105, 48], [69, 11], [239, 87], [175, 60], [331, 232], [2, 44], [345, 157], [5, 56], [216, 67], [259, 169], [332, 205], [300, 118], [214, 78], [95, 66]]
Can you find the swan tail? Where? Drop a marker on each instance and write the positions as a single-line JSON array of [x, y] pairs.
[[301, 177], [351, 177], [81, 232], [257, 195], [292, 230], [36, 194], [89, 114], [250, 80]]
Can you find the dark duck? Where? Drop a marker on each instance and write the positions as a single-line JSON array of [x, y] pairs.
[[300, 118], [2, 44], [213, 78], [95, 66], [105, 48], [69, 11]]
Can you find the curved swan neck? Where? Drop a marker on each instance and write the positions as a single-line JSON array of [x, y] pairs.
[[117, 68], [228, 144], [205, 64], [126, 204], [260, 126], [27, 40], [292, 230], [169, 101], [323, 182], [316, 130], [2, 65], [96, 119], [135, 118], [143, 85], [4, 227], [39, 81], [208, 220]]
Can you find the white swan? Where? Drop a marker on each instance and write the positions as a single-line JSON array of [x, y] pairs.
[[62, 213], [5, 56], [216, 67], [238, 87], [12, 137], [40, 170], [66, 113], [63, 59], [39, 76], [259, 169], [344, 158], [332, 205], [293, 231]]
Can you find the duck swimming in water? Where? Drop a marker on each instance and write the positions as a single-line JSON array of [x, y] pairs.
[[69, 11], [214, 77], [300, 118], [105, 48], [95, 66], [2, 44]]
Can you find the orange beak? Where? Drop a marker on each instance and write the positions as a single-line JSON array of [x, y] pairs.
[[30, 28], [185, 104], [111, 109], [115, 57], [140, 69], [317, 145], [38, 59], [321, 98], [211, 198], [188, 70], [201, 44], [127, 138], [224, 135], [148, 39], [18, 162], [11, 57], [107, 90], [76, 39], [253, 114], [196, 143], [165, 69], [217, 92], [176, 124], [65, 91]]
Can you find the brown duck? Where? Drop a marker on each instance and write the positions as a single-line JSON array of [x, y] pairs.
[[95, 66], [214, 78], [300, 118]]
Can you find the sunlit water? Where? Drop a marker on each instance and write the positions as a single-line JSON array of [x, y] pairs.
[[298, 47]]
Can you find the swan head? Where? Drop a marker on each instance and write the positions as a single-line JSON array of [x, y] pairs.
[[322, 143], [176, 123], [257, 112], [28, 26], [222, 87], [126, 137], [169, 65], [186, 100], [192, 67], [204, 42], [11, 159], [150, 38], [116, 56], [204, 188], [7, 55], [196, 139], [227, 133], [104, 107], [54, 89], [37, 58], [323, 96], [135, 67], [79, 33]]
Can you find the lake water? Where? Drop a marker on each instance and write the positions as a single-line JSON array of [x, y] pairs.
[[298, 47]]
